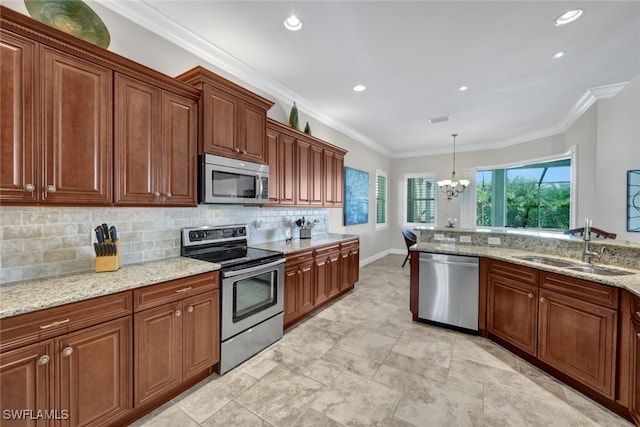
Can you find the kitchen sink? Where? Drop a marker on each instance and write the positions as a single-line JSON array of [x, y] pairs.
[[597, 270], [591, 269], [547, 261]]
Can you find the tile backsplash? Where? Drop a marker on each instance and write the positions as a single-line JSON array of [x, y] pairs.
[[48, 241]]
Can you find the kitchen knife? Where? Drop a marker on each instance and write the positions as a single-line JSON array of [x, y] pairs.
[[114, 249], [105, 230], [95, 248], [99, 234], [113, 233]]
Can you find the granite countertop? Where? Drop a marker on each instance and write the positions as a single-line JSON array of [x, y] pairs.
[[296, 245], [630, 282], [26, 296]]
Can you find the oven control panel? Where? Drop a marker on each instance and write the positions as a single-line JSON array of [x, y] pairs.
[[212, 234]]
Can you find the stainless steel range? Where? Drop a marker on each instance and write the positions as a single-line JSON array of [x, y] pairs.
[[252, 290]]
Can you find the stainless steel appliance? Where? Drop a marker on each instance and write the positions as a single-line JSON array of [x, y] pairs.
[[448, 292], [232, 181], [251, 291]]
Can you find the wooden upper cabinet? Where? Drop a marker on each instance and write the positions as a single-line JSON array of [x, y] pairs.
[[76, 130], [304, 170], [316, 179], [333, 178], [280, 158], [155, 145], [19, 153], [233, 119]]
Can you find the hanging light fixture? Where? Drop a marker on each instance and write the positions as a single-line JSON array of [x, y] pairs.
[[451, 187]]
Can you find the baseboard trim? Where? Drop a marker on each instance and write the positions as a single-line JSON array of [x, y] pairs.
[[379, 255]]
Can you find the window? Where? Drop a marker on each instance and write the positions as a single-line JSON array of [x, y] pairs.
[[381, 199], [420, 199], [531, 196]]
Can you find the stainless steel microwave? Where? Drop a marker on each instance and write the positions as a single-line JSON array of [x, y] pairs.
[[232, 181]]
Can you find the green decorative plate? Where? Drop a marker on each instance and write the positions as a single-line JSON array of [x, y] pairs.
[[73, 17]]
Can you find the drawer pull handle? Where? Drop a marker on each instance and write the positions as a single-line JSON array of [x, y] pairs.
[[178, 313], [67, 351], [187, 289], [54, 324], [43, 360], [530, 295], [190, 309]]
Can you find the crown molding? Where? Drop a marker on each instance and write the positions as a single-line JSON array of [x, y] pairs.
[[146, 16]]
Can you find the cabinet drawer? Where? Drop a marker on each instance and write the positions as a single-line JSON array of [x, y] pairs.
[[349, 244], [635, 307], [174, 290], [27, 328], [581, 289], [296, 258], [323, 251], [512, 271]]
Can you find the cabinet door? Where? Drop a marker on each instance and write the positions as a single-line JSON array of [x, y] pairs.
[[252, 132], [512, 312], [287, 167], [76, 130], [579, 339], [158, 352], [178, 161], [354, 265], [95, 373], [333, 282], [344, 268], [322, 267], [26, 378], [136, 146], [273, 159], [635, 380], [201, 332], [306, 287], [18, 155], [317, 178], [219, 126], [329, 178], [338, 198], [304, 172], [291, 307]]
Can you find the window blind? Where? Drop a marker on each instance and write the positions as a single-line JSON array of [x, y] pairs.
[[381, 198]]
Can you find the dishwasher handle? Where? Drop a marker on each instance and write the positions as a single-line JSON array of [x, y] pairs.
[[449, 260]]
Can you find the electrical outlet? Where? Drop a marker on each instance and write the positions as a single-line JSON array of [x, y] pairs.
[[465, 239], [438, 237], [493, 240]]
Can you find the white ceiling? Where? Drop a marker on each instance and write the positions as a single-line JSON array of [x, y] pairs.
[[412, 56]]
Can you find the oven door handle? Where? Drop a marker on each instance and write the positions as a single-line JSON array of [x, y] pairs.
[[234, 273]]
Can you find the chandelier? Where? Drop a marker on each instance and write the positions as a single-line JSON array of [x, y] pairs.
[[451, 187]]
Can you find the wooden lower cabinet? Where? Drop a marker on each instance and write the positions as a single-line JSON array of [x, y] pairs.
[[634, 406], [299, 295], [579, 339], [316, 276], [173, 342], [512, 312], [83, 378]]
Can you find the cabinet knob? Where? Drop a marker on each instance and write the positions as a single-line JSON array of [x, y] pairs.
[[638, 313], [51, 188], [530, 295], [178, 313], [67, 351], [244, 151], [168, 194], [43, 360], [542, 299], [237, 150], [156, 194], [190, 309], [29, 188], [638, 334]]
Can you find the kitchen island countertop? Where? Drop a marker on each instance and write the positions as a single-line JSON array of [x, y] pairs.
[[31, 295], [296, 245]]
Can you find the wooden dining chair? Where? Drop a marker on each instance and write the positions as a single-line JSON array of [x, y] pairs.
[[595, 232]]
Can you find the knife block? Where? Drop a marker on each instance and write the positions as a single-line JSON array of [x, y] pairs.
[[109, 263]]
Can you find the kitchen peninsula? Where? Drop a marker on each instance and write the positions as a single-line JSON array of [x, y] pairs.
[[577, 321]]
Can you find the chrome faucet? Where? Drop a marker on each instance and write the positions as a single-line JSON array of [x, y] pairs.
[[586, 236]]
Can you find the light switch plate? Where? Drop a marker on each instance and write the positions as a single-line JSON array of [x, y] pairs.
[[493, 240], [465, 239]]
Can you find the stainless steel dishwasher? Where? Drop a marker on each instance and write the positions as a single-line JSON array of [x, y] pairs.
[[448, 291]]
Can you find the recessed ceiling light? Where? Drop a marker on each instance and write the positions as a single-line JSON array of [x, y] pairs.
[[568, 17], [559, 54], [463, 88], [293, 23], [359, 88]]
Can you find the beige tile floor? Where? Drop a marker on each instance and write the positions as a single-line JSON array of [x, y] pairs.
[[362, 362]]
